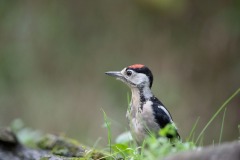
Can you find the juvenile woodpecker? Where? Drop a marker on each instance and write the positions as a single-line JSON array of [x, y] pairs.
[[146, 113]]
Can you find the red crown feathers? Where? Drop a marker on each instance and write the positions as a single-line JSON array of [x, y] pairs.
[[135, 66]]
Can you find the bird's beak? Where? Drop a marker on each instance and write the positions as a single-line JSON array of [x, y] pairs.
[[116, 74]]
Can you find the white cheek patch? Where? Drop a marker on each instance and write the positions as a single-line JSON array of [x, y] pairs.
[[139, 78]]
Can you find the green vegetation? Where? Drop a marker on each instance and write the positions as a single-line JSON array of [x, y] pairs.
[[125, 148], [152, 148]]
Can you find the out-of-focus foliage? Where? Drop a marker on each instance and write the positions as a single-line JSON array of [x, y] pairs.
[[53, 56], [25, 135]]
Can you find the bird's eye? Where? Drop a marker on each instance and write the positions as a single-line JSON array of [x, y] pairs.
[[129, 73]]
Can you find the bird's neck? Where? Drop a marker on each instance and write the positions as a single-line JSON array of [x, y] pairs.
[[140, 95]]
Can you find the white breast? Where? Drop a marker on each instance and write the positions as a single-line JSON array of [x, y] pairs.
[[143, 122]]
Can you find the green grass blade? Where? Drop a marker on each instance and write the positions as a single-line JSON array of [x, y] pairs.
[[239, 131], [141, 149], [106, 121], [201, 140], [96, 143], [128, 98], [221, 132], [193, 137], [193, 129], [218, 111], [128, 101]]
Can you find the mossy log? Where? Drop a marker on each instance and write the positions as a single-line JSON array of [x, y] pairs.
[[51, 147]]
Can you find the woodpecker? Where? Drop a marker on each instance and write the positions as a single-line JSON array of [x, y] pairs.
[[146, 114]]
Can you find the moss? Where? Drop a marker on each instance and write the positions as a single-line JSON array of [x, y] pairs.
[[62, 146]]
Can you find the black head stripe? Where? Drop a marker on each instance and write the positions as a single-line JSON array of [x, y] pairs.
[[145, 70]]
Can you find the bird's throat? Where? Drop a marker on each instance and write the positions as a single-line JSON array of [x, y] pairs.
[[140, 95]]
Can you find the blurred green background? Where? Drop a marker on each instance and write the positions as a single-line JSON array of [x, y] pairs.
[[53, 56]]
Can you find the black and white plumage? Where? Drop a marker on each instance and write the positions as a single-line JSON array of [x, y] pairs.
[[146, 113]]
